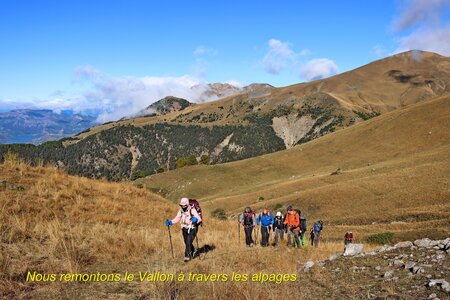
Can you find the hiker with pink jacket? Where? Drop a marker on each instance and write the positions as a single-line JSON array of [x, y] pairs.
[[189, 219]]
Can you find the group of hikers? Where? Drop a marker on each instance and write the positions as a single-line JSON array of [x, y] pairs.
[[293, 224]]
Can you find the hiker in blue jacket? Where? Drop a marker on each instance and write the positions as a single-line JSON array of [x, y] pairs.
[[266, 220], [317, 230]]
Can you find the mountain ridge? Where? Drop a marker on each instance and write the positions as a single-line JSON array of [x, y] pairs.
[[40, 125], [248, 125]]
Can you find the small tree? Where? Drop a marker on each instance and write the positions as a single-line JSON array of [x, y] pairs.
[[204, 159], [192, 160], [219, 213], [381, 238], [278, 206], [137, 174], [181, 162]]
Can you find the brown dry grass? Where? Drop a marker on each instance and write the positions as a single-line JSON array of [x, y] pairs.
[[60, 223], [66, 224]]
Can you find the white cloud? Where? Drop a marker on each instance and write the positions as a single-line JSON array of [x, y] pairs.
[[436, 40], [280, 56], [417, 12], [235, 83], [319, 68], [112, 98], [281, 49], [8, 104], [123, 96], [202, 50], [421, 27]]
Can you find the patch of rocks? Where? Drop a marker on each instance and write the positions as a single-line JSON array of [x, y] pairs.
[[414, 269], [308, 266], [441, 284], [353, 249], [443, 245], [398, 261]]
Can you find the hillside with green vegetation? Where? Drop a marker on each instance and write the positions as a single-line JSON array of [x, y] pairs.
[[129, 152], [257, 121]]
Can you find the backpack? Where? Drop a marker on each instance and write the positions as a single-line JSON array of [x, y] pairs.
[[278, 222], [193, 203], [293, 217], [303, 224], [248, 218], [316, 227], [298, 212]]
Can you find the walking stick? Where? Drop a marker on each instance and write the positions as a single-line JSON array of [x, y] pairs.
[[196, 239], [239, 233], [170, 238]]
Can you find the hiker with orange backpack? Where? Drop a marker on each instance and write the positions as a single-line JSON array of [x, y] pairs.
[[266, 220], [190, 218], [292, 222], [248, 221]]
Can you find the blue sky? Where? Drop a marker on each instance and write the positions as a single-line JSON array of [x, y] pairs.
[[72, 54]]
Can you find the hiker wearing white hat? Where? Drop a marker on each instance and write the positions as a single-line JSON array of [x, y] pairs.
[[190, 217], [278, 227]]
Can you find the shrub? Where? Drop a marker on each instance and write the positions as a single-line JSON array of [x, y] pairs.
[[261, 198], [191, 160], [219, 213], [204, 159], [381, 238], [278, 206], [138, 174], [181, 162], [366, 116]]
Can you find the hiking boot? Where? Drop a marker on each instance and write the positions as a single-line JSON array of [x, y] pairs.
[[251, 244], [186, 259]]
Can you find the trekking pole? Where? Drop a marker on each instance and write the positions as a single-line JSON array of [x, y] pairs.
[[196, 239], [257, 233], [239, 233], [170, 238]]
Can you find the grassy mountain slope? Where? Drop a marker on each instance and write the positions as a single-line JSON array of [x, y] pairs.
[[394, 167]]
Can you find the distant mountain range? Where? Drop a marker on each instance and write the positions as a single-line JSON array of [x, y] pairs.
[[38, 126]]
